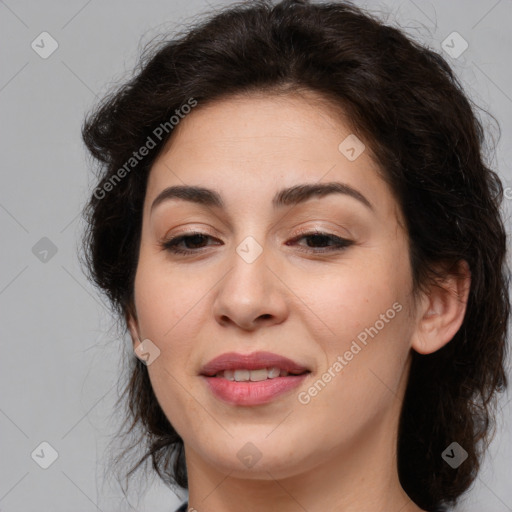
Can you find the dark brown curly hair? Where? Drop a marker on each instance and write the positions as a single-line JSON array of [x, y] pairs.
[[406, 103]]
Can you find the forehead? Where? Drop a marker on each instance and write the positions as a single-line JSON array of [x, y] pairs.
[[258, 122], [248, 147]]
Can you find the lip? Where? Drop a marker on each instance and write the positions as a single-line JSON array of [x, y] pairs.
[[254, 361], [251, 393]]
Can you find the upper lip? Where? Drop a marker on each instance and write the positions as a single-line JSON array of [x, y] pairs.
[[254, 361]]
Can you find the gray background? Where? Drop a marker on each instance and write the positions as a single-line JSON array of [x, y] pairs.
[[60, 354]]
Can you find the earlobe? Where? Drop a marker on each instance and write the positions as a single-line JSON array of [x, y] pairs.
[[442, 311]]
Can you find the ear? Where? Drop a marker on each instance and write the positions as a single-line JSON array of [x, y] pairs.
[[133, 327], [441, 310]]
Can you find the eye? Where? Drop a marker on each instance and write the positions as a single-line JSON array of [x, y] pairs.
[[196, 241], [192, 242], [319, 240]]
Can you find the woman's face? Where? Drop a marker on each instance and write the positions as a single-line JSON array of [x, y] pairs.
[[259, 279]]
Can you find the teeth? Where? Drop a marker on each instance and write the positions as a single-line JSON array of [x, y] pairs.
[[241, 375], [252, 375], [275, 372], [256, 375], [227, 374]]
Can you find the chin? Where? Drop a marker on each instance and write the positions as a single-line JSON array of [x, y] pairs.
[[254, 457], [279, 466]]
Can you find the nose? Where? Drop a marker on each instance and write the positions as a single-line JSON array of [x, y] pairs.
[[251, 294]]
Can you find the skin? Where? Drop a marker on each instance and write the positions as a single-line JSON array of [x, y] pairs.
[[337, 452]]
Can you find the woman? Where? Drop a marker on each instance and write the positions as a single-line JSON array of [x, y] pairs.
[[296, 225]]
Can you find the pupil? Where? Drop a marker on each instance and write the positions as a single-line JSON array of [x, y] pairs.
[[318, 238], [195, 240]]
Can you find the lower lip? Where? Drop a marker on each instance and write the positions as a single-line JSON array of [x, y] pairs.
[[252, 393]]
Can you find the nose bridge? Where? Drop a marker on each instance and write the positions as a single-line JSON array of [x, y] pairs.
[[249, 290], [247, 281]]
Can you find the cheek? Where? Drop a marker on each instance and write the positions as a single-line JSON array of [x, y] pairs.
[[353, 297], [167, 308], [366, 308], [360, 377], [166, 301]]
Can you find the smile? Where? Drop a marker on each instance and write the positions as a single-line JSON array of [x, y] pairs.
[[254, 375]]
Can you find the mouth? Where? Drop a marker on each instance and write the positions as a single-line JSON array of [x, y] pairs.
[[245, 375], [253, 379], [252, 367]]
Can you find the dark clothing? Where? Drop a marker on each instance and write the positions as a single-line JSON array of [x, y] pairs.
[[183, 508]]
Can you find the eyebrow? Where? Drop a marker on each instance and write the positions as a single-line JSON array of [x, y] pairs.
[[285, 197]]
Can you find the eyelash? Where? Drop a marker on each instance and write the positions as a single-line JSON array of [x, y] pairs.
[[340, 243]]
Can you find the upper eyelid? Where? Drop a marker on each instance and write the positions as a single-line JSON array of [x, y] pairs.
[[210, 231]]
